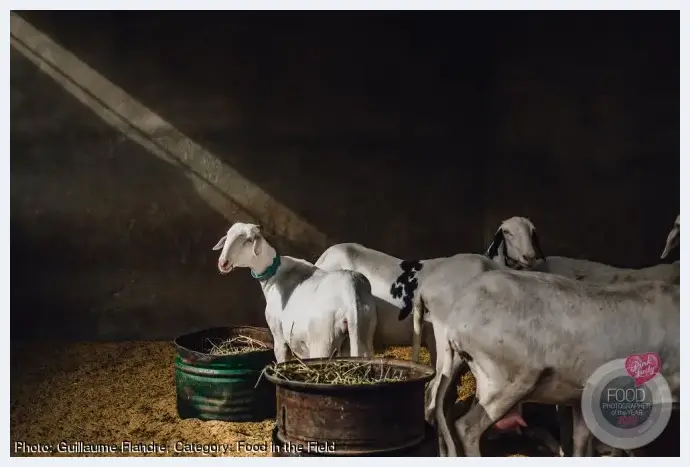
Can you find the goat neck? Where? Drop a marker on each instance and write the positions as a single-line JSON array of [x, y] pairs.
[[263, 266]]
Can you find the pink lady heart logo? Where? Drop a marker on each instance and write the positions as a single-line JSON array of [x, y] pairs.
[[643, 367]]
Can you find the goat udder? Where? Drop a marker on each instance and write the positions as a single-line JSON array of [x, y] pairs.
[[511, 421]]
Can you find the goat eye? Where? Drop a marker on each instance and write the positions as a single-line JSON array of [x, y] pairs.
[[507, 233]]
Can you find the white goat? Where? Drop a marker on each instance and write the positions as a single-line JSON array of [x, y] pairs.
[[531, 336], [402, 287], [308, 310], [580, 269], [592, 271], [397, 284], [673, 238]]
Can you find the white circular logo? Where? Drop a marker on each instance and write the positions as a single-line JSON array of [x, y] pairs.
[[623, 412]]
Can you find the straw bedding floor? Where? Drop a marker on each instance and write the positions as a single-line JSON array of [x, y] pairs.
[[110, 393]]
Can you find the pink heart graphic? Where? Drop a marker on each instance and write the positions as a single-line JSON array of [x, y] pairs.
[[643, 367]]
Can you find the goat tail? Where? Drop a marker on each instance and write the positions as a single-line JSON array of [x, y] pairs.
[[362, 318], [418, 309]]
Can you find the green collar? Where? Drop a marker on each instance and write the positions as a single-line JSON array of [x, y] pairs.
[[270, 271]]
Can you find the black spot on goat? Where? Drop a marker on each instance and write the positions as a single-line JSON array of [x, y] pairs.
[[405, 285]]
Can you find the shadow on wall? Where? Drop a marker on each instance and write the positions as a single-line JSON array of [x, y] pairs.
[[416, 134], [133, 260], [352, 121], [107, 240]]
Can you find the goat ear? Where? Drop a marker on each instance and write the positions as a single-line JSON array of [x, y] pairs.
[[493, 248], [220, 243], [672, 241], [537, 245], [256, 247]]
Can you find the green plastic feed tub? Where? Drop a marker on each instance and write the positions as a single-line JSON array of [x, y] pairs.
[[223, 387]]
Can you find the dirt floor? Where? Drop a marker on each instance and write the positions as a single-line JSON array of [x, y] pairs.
[[110, 393]]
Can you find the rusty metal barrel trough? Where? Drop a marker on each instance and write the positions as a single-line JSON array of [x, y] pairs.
[[216, 374], [351, 407]]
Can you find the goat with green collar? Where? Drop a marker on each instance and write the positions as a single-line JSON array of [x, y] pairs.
[[308, 310]]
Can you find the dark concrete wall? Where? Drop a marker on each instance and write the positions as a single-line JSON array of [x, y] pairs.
[[415, 134]]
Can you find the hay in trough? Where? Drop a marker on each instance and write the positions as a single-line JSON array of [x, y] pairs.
[[466, 389], [340, 372], [405, 353], [233, 346]]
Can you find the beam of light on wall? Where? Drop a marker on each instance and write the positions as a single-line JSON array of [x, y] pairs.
[[221, 186]]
